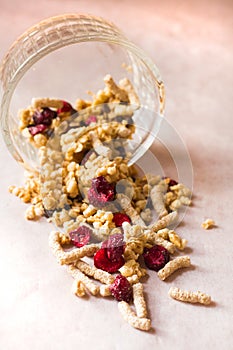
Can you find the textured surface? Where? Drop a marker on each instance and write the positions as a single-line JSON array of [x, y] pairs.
[[191, 42]]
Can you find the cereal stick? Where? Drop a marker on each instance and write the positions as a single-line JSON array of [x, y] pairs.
[[189, 297], [165, 221], [173, 265], [79, 276], [105, 291], [141, 323], [73, 255], [158, 199], [46, 102], [130, 211], [97, 274], [139, 301], [78, 253]]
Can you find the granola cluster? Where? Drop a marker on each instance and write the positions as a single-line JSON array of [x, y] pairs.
[[104, 209]]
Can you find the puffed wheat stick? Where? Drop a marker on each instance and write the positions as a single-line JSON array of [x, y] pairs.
[[164, 222], [173, 265], [76, 254], [79, 276], [105, 290], [130, 211], [97, 274], [158, 199], [189, 297], [73, 255], [129, 316], [139, 301]]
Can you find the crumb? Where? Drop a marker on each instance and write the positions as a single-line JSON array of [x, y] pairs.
[[208, 223]]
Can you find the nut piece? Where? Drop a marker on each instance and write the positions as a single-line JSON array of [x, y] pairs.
[[164, 243], [189, 297], [208, 223], [139, 301], [156, 238], [79, 276], [132, 268], [116, 91], [126, 85], [141, 323], [173, 265], [78, 288], [177, 240]]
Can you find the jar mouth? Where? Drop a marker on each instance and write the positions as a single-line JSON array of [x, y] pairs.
[[51, 35]]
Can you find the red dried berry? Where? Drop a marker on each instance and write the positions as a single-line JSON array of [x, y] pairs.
[[101, 192], [44, 117], [119, 218], [121, 289], [81, 236], [156, 257], [91, 119], [101, 261], [115, 246], [66, 107], [172, 183], [37, 129]]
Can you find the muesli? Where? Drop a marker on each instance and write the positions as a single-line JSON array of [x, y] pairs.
[[103, 208]]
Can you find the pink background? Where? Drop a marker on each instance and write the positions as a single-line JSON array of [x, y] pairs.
[[191, 42]]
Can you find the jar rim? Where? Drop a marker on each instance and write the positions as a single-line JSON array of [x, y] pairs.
[[62, 31]]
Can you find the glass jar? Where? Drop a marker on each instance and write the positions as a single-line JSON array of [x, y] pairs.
[[66, 55]]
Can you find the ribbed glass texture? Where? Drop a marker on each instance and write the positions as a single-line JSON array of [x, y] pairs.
[[61, 32]]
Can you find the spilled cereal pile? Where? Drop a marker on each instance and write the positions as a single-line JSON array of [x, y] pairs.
[[103, 207]]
